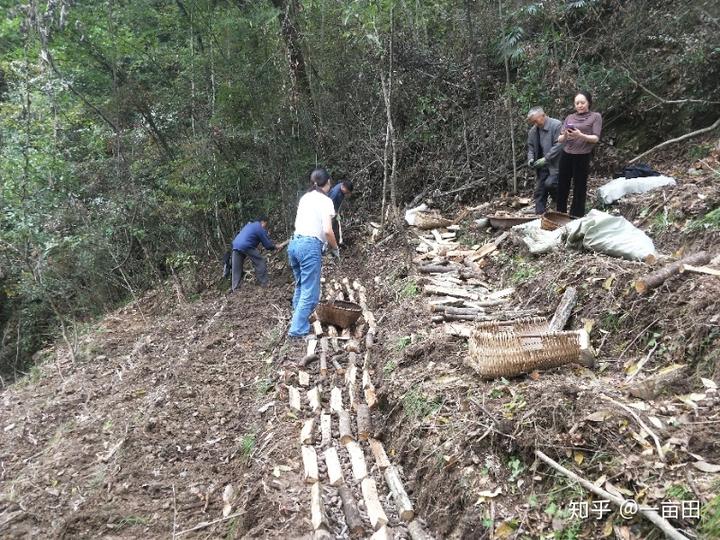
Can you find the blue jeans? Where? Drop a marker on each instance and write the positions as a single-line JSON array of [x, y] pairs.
[[305, 255]]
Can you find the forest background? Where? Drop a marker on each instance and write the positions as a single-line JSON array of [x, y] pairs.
[[136, 137]]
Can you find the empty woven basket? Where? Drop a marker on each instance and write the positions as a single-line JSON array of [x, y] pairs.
[[507, 354], [528, 325], [338, 313]]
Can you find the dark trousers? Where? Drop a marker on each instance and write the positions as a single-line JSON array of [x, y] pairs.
[[573, 168], [545, 186], [238, 259]]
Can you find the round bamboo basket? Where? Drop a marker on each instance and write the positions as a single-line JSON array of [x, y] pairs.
[[554, 220], [431, 220], [338, 313]]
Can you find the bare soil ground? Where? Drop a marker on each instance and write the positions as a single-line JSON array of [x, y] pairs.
[[162, 409]]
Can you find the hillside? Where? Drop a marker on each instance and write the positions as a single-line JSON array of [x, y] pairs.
[[175, 397]]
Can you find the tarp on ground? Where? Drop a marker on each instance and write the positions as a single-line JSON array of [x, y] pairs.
[[611, 235], [618, 188]]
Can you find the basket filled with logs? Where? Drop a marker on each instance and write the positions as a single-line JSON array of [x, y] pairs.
[[507, 354], [338, 313]]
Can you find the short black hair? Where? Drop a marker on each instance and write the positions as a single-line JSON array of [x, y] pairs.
[[348, 185], [263, 217], [587, 95], [319, 177]]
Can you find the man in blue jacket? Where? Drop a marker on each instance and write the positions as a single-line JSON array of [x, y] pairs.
[[245, 245], [338, 193]]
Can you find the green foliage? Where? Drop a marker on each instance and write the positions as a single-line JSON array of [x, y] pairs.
[[409, 288], [403, 342], [710, 519], [247, 445], [389, 367], [710, 221], [516, 467], [418, 405]]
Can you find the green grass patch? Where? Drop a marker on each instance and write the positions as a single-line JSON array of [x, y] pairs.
[[389, 367], [710, 519], [710, 221], [247, 445], [409, 288], [403, 342], [418, 405]]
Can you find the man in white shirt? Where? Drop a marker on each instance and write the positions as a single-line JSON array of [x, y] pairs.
[[313, 228]]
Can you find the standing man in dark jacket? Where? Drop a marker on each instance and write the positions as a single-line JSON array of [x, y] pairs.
[[245, 245], [543, 152], [338, 193]]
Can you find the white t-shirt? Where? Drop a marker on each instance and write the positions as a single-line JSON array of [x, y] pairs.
[[312, 208]]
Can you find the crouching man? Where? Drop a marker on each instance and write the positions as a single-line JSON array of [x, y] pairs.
[[245, 245]]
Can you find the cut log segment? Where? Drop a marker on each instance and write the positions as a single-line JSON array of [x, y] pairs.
[[653, 280], [402, 501], [310, 465], [351, 396], [564, 310], [345, 428], [374, 509], [314, 399], [345, 334], [364, 424], [656, 384], [351, 375], [334, 469], [359, 332], [338, 368], [317, 510], [352, 346], [294, 398], [317, 328], [352, 513], [447, 291], [370, 397], [699, 270], [381, 459], [336, 402], [311, 347], [357, 459], [352, 359], [323, 364], [438, 269], [306, 434], [325, 429], [418, 532], [333, 335], [304, 378], [370, 338]]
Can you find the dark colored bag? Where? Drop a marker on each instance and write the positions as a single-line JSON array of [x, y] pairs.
[[227, 264], [638, 170]]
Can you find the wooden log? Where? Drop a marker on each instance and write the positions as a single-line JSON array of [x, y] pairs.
[[350, 376], [351, 396], [323, 364], [370, 397], [313, 396], [438, 269], [322, 534], [366, 379], [357, 459], [458, 329], [417, 531], [333, 335], [317, 328], [317, 510], [459, 310], [310, 465], [381, 459], [699, 270], [653, 280], [344, 425], [370, 338], [334, 469], [402, 501], [372, 503], [359, 332], [563, 311], [311, 347], [353, 518], [498, 315], [325, 429], [345, 333], [447, 291], [303, 378], [352, 346], [338, 368], [306, 434], [654, 385], [352, 358], [364, 424], [336, 401], [294, 398]]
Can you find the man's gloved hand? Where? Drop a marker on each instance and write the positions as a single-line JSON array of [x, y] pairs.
[[530, 162], [335, 252], [539, 163]]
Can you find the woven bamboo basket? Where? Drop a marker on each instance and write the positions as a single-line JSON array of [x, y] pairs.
[[338, 313], [503, 221], [554, 220], [527, 325], [508, 354], [431, 220]]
